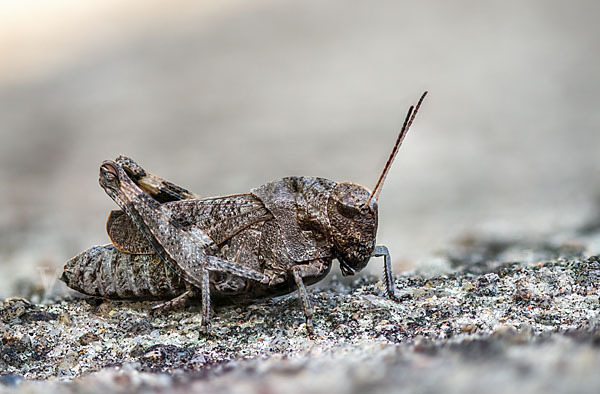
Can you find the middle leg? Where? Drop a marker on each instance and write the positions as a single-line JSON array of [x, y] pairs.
[[314, 269]]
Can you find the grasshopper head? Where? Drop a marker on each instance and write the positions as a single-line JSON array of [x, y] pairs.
[[352, 211], [353, 218]]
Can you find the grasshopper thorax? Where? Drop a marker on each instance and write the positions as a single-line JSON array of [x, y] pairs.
[[353, 219]]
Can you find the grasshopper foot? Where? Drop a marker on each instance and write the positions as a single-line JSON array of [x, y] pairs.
[[205, 328], [175, 303], [394, 298], [398, 298], [381, 250], [309, 327]]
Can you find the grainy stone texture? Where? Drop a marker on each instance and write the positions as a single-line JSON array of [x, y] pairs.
[[224, 102], [486, 325]]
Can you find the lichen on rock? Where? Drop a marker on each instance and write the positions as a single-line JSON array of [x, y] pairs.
[[515, 322]]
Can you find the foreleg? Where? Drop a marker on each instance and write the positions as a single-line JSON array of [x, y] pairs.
[[381, 250]]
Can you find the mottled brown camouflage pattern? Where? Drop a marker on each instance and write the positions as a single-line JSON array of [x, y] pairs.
[[238, 248]]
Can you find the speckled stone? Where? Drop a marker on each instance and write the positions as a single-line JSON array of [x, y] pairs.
[[532, 325]]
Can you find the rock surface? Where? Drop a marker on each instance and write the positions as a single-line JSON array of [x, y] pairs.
[[487, 325], [222, 98]]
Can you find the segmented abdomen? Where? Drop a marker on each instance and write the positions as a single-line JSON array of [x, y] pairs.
[[106, 272]]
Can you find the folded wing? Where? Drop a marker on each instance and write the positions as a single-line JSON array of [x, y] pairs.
[[220, 218]]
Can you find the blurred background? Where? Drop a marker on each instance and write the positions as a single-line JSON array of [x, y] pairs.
[[221, 97]]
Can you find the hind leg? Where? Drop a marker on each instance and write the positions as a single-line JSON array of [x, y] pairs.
[[159, 189]]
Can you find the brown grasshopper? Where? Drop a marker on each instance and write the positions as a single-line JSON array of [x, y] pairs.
[[168, 243]]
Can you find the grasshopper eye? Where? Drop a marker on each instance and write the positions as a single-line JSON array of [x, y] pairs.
[[347, 210], [108, 175]]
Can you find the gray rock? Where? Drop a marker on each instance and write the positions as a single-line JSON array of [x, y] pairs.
[[512, 326]]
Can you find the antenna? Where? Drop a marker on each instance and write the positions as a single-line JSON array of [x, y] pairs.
[[410, 116]]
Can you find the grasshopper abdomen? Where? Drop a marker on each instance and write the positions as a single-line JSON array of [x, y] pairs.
[[104, 271]]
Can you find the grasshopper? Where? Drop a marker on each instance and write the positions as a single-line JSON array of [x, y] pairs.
[[170, 244]]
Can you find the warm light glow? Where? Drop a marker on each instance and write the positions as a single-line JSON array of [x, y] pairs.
[[38, 36]]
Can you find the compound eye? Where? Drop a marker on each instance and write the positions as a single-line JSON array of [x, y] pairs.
[[347, 210], [108, 174]]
